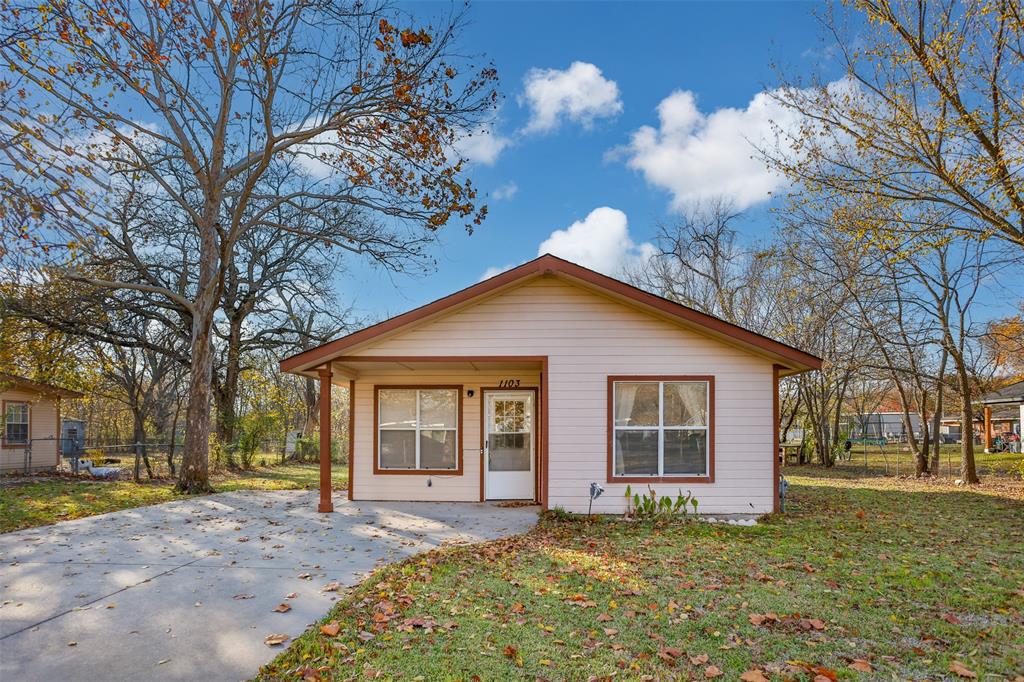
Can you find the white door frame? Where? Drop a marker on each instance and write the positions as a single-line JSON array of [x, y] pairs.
[[485, 422]]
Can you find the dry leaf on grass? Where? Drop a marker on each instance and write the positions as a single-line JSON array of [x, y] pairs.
[[958, 668], [860, 665], [330, 629], [712, 671], [700, 659], [753, 676]]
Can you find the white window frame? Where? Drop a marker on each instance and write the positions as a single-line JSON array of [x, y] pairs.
[[661, 428], [28, 422], [418, 428]]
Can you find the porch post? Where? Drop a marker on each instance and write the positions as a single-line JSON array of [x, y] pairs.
[[325, 440], [988, 429]]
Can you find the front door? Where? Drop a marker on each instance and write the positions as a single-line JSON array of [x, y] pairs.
[[510, 445]]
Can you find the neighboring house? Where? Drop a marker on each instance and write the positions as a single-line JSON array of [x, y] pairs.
[[1003, 412], [539, 381], [31, 432], [887, 425]]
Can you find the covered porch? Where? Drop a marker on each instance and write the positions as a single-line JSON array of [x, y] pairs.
[[438, 428]]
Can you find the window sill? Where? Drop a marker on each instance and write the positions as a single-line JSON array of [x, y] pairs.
[[417, 472], [661, 479]]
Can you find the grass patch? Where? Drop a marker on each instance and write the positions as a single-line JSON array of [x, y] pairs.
[[863, 578], [26, 502], [895, 458]]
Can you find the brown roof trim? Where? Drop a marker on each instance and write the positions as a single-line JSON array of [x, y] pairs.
[[548, 264], [37, 386]]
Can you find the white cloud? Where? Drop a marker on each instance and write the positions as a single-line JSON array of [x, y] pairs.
[[506, 191], [695, 155], [601, 242], [580, 94], [482, 145]]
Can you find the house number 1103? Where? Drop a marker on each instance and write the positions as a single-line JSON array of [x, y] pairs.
[[508, 383]]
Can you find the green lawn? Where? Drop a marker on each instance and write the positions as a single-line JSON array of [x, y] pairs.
[[863, 578], [48, 499]]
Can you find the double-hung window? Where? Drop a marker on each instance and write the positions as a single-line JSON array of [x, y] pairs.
[[417, 429], [16, 421], [661, 427]]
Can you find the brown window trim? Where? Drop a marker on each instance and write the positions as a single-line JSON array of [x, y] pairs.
[[612, 478], [378, 471], [3, 435]]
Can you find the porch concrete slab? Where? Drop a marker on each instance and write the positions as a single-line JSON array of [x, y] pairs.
[[187, 590]]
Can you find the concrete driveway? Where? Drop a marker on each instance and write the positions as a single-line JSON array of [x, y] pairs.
[[187, 590]]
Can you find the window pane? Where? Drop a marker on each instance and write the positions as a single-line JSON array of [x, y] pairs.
[[686, 403], [397, 408], [636, 404], [508, 452], [685, 452], [438, 408], [17, 433], [510, 416], [437, 449], [636, 452], [398, 449]]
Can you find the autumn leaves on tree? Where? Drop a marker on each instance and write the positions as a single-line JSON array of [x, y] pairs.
[[328, 121]]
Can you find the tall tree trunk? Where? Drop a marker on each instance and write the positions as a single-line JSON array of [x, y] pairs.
[[139, 434], [195, 461], [937, 417], [227, 396], [173, 440], [968, 473], [921, 459]]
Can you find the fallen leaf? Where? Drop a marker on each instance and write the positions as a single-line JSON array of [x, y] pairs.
[[950, 618], [274, 640], [753, 676], [603, 617], [72, 643], [958, 668], [330, 629], [244, 596], [331, 587], [509, 651], [611, 632], [290, 595], [860, 665], [365, 636], [282, 608], [700, 659], [712, 671]]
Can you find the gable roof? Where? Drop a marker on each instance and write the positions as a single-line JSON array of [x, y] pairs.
[[7, 380], [1012, 394], [788, 356]]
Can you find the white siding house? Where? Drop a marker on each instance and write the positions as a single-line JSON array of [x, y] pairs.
[[544, 379]]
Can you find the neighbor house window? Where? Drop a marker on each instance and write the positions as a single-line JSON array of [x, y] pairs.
[[661, 427], [417, 429], [16, 423]]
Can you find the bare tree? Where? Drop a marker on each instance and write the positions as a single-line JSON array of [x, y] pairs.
[[198, 102]]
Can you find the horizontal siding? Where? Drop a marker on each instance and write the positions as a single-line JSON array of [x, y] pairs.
[[413, 487], [587, 337], [44, 425]]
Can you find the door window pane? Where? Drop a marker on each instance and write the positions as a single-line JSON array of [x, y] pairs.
[[686, 403], [437, 449], [636, 452], [398, 449], [509, 451], [685, 452], [397, 408]]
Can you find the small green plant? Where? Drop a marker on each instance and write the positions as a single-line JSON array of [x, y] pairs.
[[650, 506], [558, 513], [1020, 468]]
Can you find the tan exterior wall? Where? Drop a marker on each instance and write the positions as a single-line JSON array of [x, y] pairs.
[[464, 488], [44, 424], [587, 337]]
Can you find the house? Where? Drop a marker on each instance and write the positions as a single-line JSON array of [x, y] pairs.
[[30, 440], [537, 382], [875, 425], [1003, 412]]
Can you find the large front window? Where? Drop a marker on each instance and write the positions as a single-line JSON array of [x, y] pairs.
[[417, 429], [16, 424], [661, 428]]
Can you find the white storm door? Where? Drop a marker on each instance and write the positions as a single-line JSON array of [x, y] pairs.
[[510, 445]]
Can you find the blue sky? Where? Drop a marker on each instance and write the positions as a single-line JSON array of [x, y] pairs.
[[559, 173]]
